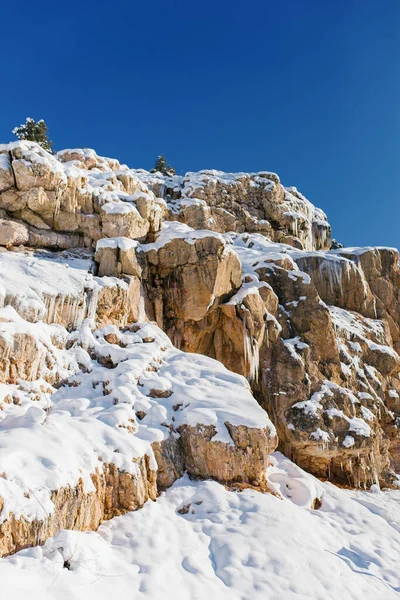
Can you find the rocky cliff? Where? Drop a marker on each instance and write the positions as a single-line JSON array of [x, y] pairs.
[[150, 324]]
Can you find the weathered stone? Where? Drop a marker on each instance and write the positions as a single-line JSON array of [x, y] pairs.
[[12, 200], [116, 492], [126, 223], [41, 238], [184, 280], [32, 218], [130, 264], [253, 202], [12, 233], [245, 461], [37, 168], [107, 258]]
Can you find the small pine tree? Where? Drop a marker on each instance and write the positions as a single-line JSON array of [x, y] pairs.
[[162, 167], [335, 245], [34, 132]]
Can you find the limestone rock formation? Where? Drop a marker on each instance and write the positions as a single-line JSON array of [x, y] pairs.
[[13, 234], [253, 202], [232, 267], [283, 329], [65, 202]]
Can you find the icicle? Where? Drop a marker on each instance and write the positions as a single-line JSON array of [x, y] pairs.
[[91, 297], [142, 317], [177, 338], [251, 354]]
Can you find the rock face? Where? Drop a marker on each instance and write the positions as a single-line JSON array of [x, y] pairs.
[[231, 444], [232, 267], [330, 379], [13, 234], [189, 282], [186, 279], [253, 202], [321, 332], [281, 329], [115, 493], [71, 200]]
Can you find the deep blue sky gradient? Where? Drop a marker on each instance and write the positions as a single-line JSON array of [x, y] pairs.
[[306, 88]]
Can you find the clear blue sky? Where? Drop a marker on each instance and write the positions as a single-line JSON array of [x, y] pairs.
[[306, 88]]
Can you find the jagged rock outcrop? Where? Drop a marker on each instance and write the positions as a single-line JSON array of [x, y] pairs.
[[365, 280], [187, 279], [83, 197], [277, 330], [62, 202], [328, 359], [231, 444], [253, 202], [189, 283], [380, 267]]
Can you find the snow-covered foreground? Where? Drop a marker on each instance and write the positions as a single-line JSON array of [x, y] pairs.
[[201, 541]]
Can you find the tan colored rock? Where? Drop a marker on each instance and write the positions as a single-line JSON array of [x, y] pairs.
[[282, 336], [130, 262], [326, 378], [41, 202], [55, 193], [339, 281], [115, 493], [43, 238], [189, 278], [107, 258], [12, 233], [28, 353], [12, 200], [126, 223], [87, 157], [34, 167], [130, 183], [20, 359], [32, 218], [383, 359], [144, 204], [235, 333], [67, 221], [192, 448], [76, 197], [380, 267], [245, 461], [189, 448], [253, 202], [309, 317], [365, 280], [118, 303]]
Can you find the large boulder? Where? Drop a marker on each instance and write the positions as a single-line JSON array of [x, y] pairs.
[[122, 219], [35, 167]]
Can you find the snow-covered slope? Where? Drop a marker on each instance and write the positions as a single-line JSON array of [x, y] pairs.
[[201, 541]]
